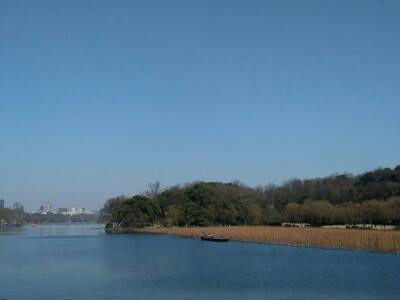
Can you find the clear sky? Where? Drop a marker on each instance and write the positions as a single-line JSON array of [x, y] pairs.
[[100, 98]]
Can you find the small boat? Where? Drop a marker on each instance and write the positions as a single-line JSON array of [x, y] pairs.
[[213, 238]]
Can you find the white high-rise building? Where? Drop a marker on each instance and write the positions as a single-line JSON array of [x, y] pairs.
[[47, 207]]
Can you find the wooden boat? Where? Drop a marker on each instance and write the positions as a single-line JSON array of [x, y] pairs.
[[213, 238]]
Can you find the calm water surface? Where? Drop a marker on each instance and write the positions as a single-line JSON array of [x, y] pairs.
[[81, 262]]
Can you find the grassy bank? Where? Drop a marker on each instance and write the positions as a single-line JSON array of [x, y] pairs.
[[123, 230], [374, 240]]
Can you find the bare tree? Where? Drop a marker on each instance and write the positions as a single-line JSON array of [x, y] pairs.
[[154, 189]]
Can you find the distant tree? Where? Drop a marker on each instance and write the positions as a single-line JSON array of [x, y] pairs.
[[193, 215], [112, 209], [228, 215], [140, 211], [254, 214], [379, 184], [393, 210], [372, 212], [172, 216], [352, 213], [292, 213], [315, 213], [15, 216], [270, 216], [137, 211], [201, 194], [171, 196], [153, 190]]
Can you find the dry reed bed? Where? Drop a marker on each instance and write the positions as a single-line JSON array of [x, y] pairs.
[[374, 240]]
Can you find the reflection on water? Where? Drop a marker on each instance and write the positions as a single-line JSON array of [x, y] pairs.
[[80, 261], [4, 230]]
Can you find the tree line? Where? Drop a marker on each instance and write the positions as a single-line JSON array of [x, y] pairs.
[[38, 218], [11, 216], [320, 213], [337, 199], [18, 217]]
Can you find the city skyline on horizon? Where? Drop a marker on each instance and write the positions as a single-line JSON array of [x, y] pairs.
[[54, 208]]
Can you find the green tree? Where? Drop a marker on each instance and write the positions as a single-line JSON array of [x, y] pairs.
[[112, 209], [193, 215], [201, 194], [171, 196], [139, 211]]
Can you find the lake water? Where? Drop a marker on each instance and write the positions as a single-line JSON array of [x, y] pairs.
[[82, 262]]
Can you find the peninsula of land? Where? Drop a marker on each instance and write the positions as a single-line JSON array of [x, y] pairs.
[[358, 204]]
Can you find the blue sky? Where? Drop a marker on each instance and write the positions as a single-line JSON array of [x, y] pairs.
[[100, 98]]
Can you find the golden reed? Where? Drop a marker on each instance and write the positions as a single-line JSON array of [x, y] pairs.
[[374, 240]]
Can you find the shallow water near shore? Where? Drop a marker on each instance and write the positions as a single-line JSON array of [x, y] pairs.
[[82, 262]]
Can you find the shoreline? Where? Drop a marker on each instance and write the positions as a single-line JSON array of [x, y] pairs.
[[329, 238], [120, 230]]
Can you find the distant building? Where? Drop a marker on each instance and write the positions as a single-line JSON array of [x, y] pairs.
[[41, 210], [61, 211], [18, 205], [47, 207], [1, 203]]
